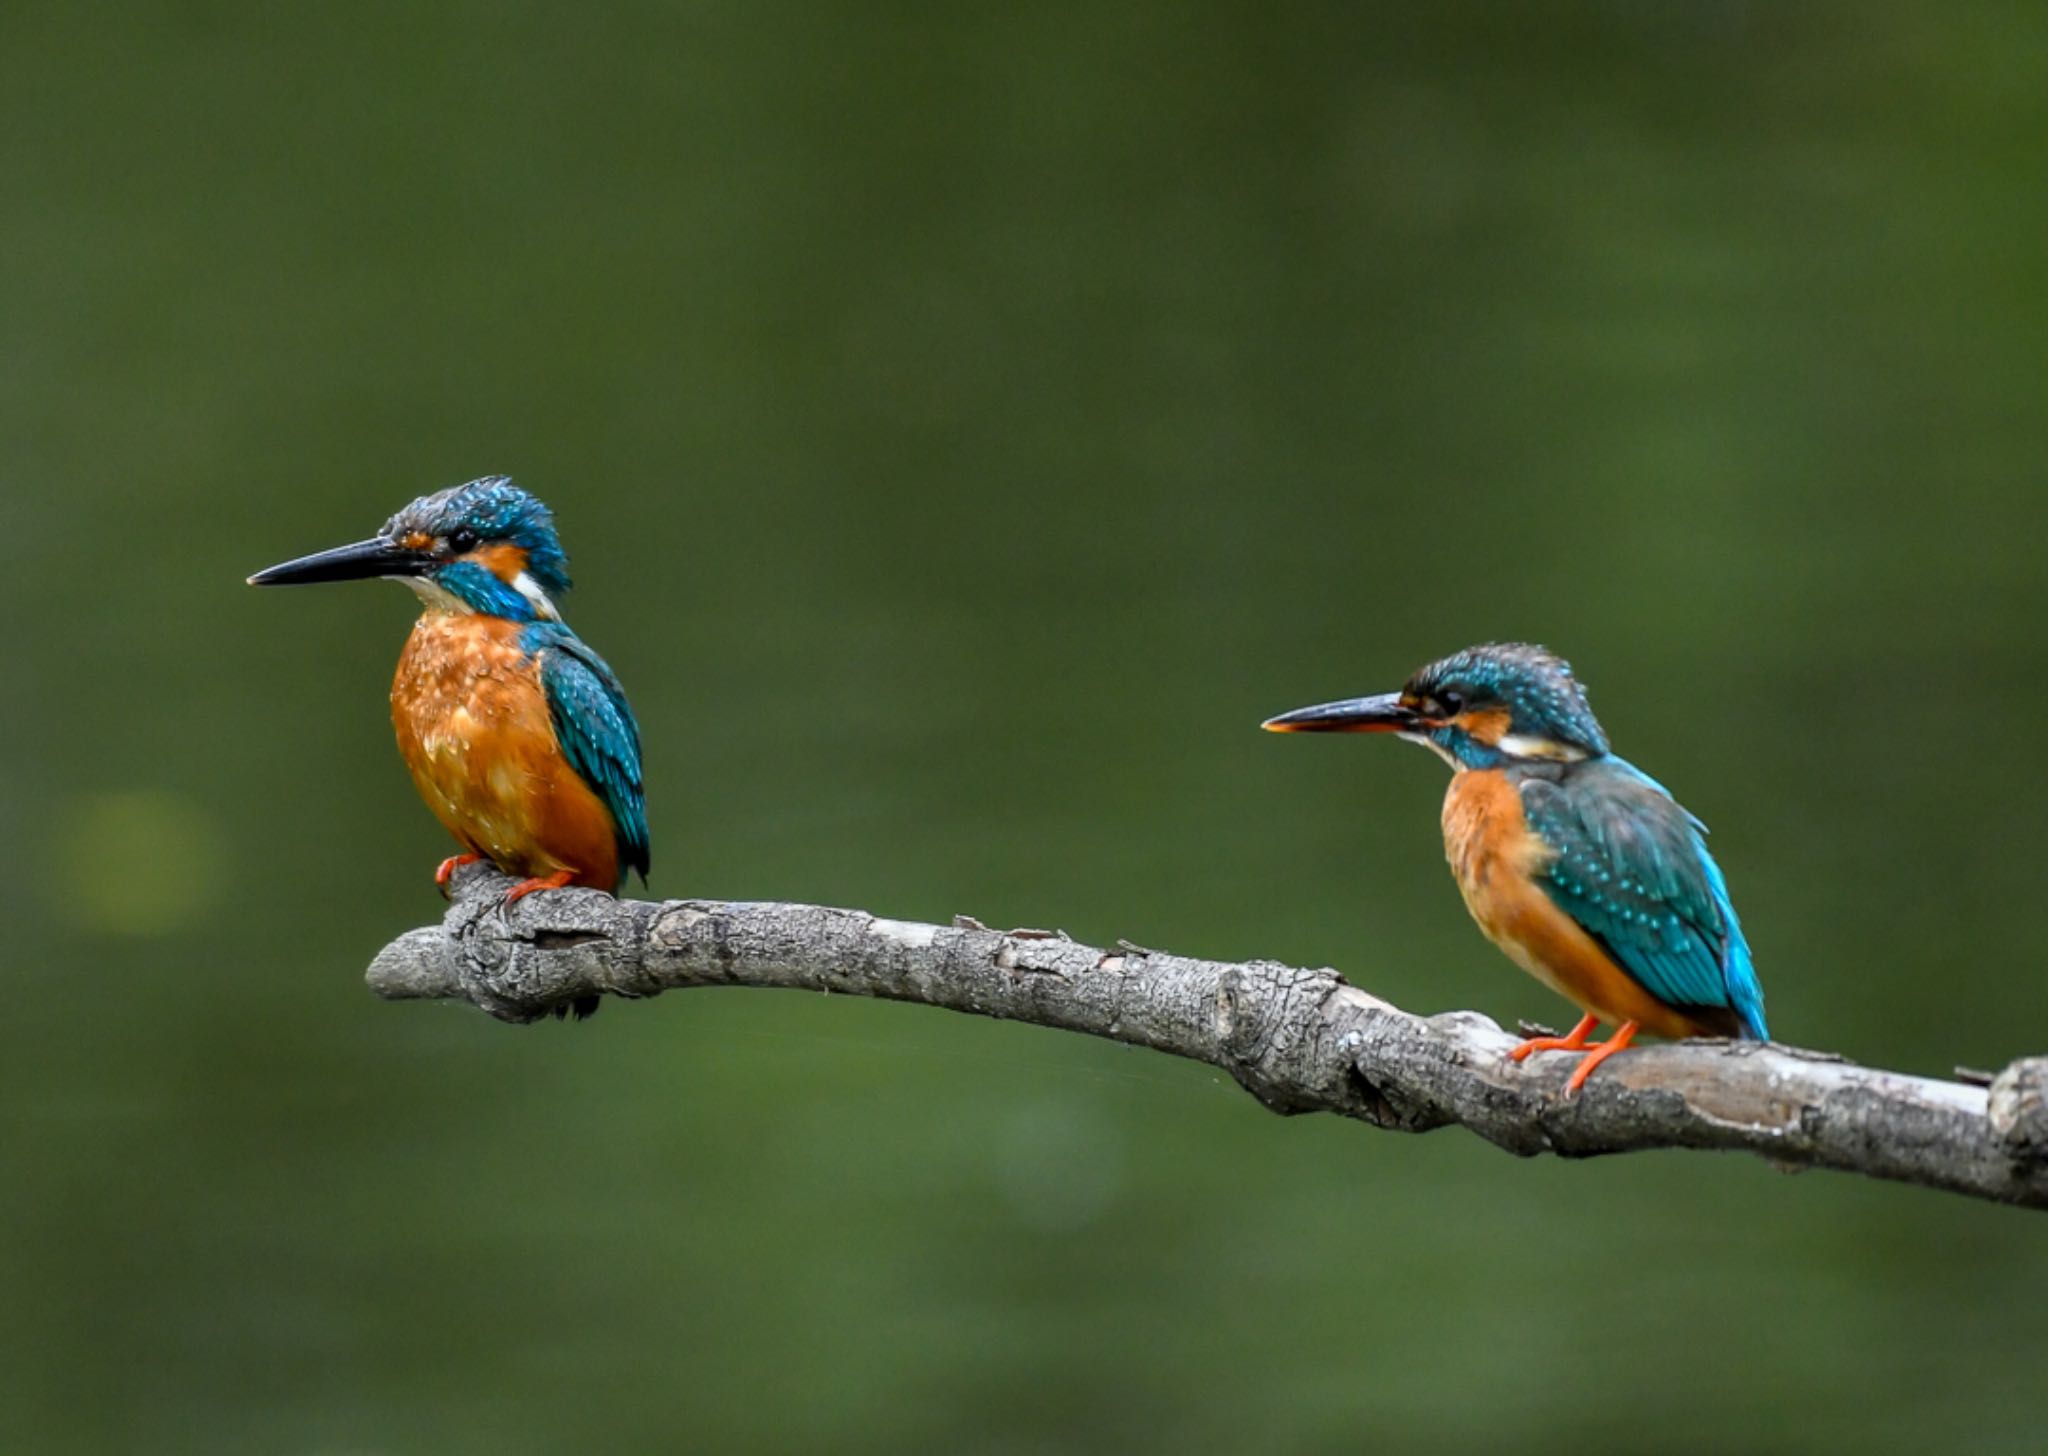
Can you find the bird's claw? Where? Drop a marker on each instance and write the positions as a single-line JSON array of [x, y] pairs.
[[1592, 1053], [524, 888], [448, 867], [520, 891], [1623, 1036], [1572, 1041]]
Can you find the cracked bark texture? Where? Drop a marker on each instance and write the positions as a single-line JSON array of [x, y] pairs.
[[1298, 1040]]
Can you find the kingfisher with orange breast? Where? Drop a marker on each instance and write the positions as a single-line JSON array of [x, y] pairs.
[[517, 734], [1576, 863]]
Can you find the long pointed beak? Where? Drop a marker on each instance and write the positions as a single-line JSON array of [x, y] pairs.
[[374, 557], [1382, 714]]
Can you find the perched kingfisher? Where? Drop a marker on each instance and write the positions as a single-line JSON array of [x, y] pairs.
[[1576, 863], [518, 736]]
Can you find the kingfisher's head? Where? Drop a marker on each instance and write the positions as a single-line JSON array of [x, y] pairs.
[[487, 546], [1480, 708]]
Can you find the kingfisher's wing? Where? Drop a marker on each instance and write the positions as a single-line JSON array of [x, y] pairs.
[[1632, 868], [597, 732]]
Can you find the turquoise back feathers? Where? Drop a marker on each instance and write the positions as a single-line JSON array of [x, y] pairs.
[[1632, 868], [598, 734]]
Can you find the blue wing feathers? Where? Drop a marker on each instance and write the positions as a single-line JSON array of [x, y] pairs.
[[1633, 869], [598, 734]]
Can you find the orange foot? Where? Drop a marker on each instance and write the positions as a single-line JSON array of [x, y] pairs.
[[1595, 1053], [1623, 1035], [1574, 1041], [524, 888], [450, 865]]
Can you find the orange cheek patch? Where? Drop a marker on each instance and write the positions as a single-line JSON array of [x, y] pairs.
[[502, 560], [416, 541], [1487, 726]]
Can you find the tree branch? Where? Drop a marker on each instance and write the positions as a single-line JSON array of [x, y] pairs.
[[1298, 1040]]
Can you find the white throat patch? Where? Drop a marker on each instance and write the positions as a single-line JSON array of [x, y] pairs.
[[1433, 746], [439, 599]]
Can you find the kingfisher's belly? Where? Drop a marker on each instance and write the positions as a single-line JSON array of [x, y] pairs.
[[474, 728], [1498, 863], [1493, 857]]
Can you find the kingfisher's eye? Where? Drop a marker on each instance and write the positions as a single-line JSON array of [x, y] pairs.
[[461, 539], [1451, 701]]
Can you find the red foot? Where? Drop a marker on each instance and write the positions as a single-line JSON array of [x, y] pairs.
[[450, 865], [1573, 1041], [1623, 1035], [524, 888]]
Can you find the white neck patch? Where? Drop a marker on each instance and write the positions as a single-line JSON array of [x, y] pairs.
[[1525, 745], [1514, 745], [536, 595]]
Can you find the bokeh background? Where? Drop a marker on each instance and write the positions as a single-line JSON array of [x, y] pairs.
[[968, 422]]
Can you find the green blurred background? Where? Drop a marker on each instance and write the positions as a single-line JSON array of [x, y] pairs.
[[968, 422]]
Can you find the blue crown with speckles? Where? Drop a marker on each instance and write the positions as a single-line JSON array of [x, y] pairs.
[[1535, 685], [493, 509]]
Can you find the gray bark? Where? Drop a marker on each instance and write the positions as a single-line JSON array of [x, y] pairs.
[[1298, 1040]]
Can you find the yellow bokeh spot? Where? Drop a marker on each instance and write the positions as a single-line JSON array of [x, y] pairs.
[[139, 862]]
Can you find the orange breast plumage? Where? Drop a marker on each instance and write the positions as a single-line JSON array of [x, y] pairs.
[[476, 733]]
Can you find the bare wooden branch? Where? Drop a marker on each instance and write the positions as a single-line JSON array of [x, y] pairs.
[[1298, 1040]]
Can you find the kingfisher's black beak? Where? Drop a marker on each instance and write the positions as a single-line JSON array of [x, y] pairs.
[[374, 557], [1383, 714]]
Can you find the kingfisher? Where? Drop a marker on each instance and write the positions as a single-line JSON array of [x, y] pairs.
[[1576, 863], [517, 734]]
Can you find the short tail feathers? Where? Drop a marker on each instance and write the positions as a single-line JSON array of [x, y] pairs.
[[1745, 991], [1749, 997]]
